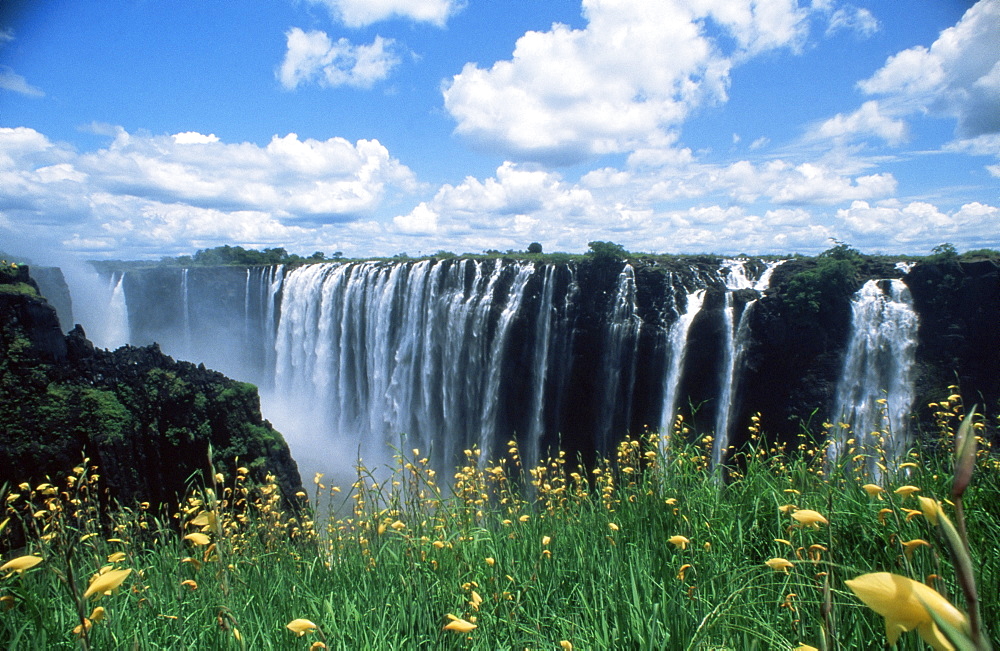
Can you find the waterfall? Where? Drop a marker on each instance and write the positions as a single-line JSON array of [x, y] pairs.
[[676, 351], [543, 341], [115, 332], [878, 366], [619, 361], [736, 343], [378, 350], [186, 312]]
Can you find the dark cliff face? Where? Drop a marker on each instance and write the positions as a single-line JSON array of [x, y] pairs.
[[144, 419], [959, 308]]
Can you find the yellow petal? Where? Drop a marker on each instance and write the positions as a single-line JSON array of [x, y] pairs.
[[779, 564], [117, 557], [904, 603], [459, 625], [805, 647], [566, 645], [21, 563], [809, 517], [197, 538], [679, 541], [906, 491], [931, 508], [106, 582], [301, 626], [97, 614], [873, 490]]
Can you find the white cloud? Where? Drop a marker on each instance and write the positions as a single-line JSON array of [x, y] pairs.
[[164, 193], [958, 76], [635, 71], [868, 120], [10, 80], [855, 19], [311, 57], [360, 13], [920, 225]]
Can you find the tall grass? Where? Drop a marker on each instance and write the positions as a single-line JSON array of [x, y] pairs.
[[652, 549]]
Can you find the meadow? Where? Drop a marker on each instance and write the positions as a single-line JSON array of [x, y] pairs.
[[793, 545]]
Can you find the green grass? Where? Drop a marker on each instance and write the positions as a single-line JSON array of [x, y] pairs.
[[565, 555]]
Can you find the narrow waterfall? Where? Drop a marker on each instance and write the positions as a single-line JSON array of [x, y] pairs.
[[676, 352], [735, 349], [619, 361], [541, 364], [115, 332], [186, 312], [876, 387]]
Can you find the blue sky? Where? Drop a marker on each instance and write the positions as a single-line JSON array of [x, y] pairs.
[[137, 129]]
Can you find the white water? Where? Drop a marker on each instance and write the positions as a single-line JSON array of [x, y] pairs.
[[879, 365], [677, 351], [737, 338], [621, 341], [543, 342]]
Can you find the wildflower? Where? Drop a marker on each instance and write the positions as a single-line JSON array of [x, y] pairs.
[[874, 490], [97, 614], [683, 570], [316, 646], [21, 563], [906, 491], [882, 514], [80, 629], [808, 517], [906, 605], [459, 625], [117, 557], [490, 561], [785, 508], [805, 647], [105, 583], [189, 584], [783, 541], [911, 513], [911, 545], [613, 526], [301, 626], [197, 538], [931, 509], [475, 600], [566, 645], [679, 541], [398, 524], [779, 564]]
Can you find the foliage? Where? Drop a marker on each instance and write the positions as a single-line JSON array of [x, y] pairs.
[[942, 254], [607, 251], [535, 248], [650, 549], [832, 279]]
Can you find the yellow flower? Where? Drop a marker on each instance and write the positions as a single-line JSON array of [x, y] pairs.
[[931, 508], [805, 647], [97, 614], [566, 645], [683, 571], [808, 517], [785, 508], [103, 584], [301, 626], [906, 491], [189, 584], [459, 625], [779, 564], [679, 541], [21, 563], [117, 557], [874, 490], [613, 526], [197, 538], [475, 600], [904, 603], [490, 561], [910, 545], [882, 514], [546, 540]]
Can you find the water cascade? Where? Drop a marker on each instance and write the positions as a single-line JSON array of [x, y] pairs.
[[621, 339], [736, 342], [876, 386], [676, 352]]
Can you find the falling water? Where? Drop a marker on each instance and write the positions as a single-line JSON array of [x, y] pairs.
[[677, 351], [543, 341], [619, 359], [876, 386], [115, 332], [186, 312], [736, 343]]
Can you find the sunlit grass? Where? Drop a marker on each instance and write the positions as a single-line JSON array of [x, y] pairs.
[[651, 549]]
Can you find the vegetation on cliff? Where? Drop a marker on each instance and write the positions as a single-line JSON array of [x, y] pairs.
[[147, 420]]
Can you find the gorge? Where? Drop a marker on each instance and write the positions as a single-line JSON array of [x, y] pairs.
[[357, 358]]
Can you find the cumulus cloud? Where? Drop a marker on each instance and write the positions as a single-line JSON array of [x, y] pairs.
[[635, 71], [854, 19], [919, 225], [869, 120], [155, 191], [958, 76], [311, 57], [360, 13]]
